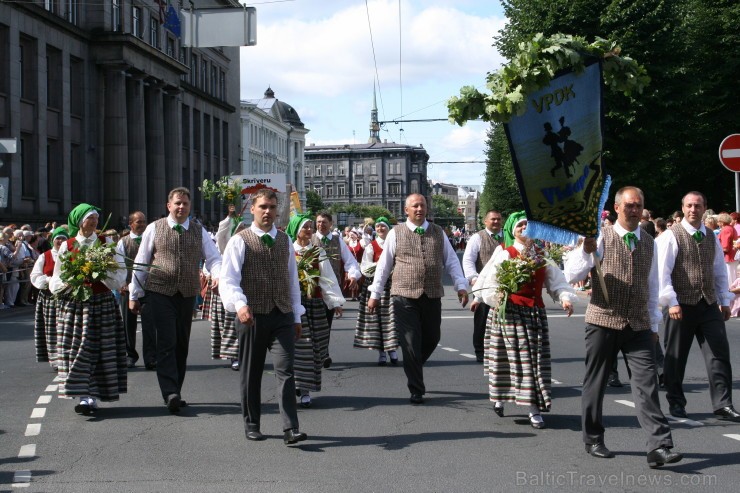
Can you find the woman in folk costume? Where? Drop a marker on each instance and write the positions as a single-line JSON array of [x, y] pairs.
[[376, 330], [312, 347], [91, 342], [224, 339], [45, 320], [517, 340], [356, 248]]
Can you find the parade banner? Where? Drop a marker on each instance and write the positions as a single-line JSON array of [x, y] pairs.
[[556, 150], [250, 184]]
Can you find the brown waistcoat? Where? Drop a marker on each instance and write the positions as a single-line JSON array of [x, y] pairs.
[[626, 277], [418, 263], [487, 247], [334, 254], [265, 277], [693, 272], [130, 249], [176, 258]]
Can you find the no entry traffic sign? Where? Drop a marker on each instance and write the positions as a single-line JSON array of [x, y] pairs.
[[729, 152]]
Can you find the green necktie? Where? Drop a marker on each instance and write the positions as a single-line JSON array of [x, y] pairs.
[[325, 240], [630, 239], [267, 240], [138, 239], [178, 228], [496, 237], [698, 236], [419, 230]]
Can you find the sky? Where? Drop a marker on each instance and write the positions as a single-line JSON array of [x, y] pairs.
[[317, 56]]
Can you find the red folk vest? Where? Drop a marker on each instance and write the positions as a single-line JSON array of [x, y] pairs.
[[530, 294]]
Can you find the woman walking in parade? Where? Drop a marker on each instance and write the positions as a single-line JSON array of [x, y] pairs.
[[517, 340], [91, 339], [376, 330], [318, 286], [45, 319]]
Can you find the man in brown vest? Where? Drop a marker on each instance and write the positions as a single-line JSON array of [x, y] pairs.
[[341, 259], [417, 252], [478, 252], [259, 281], [626, 318], [128, 247], [693, 285], [174, 246]]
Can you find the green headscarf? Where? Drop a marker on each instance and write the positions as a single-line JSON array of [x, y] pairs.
[[297, 222], [511, 222], [75, 217], [60, 231], [384, 220]]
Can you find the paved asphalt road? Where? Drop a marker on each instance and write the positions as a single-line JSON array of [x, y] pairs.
[[363, 434]]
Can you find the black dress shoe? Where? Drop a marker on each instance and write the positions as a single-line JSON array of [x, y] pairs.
[[662, 455], [173, 403], [151, 366], [479, 358], [416, 399], [728, 413], [678, 412], [499, 410], [183, 403], [255, 435], [599, 450], [327, 363], [84, 408], [614, 381], [293, 436]]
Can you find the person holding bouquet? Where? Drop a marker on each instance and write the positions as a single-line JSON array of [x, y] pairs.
[[320, 291], [517, 339], [376, 330], [91, 342]]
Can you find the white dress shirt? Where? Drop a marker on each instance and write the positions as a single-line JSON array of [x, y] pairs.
[[472, 249], [116, 278], [386, 261], [121, 249], [232, 295], [38, 278], [139, 277], [350, 262], [667, 253], [579, 263]]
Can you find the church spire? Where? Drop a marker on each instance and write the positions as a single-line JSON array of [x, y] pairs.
[[374, 125]]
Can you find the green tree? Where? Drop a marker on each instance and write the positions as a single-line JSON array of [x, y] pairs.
[[445, 212], [314, 202], [500, 189]]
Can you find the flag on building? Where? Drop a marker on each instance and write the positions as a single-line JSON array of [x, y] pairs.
[[172, 21]]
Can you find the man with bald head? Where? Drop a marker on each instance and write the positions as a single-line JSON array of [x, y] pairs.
[[417, 252]]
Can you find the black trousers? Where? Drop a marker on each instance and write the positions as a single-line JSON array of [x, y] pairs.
[[273, 332], [706, 323], [418, 322], [480, 316], [129, 327], [329, 320], [171, 317], [148, 333], [602, 346]]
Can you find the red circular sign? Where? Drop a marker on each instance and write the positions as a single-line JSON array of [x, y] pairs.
[[729, 152]]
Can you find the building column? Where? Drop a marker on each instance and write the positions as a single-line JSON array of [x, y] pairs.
[[172, 140], [115, 154], [156, 191], [137, 164]]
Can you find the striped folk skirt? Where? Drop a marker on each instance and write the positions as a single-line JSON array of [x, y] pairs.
[[312, 348], [208, 301], [92, 348], [45, 327], [224, 339], [517, 357], [376, 330]]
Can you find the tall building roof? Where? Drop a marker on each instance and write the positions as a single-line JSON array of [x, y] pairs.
[[284, 111]]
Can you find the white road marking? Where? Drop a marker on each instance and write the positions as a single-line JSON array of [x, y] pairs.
[[33, 429], [44, 399], [450, 349], [21, 479], [38, 412], [733, 436], [626, 403], [466, 355], [557, 382], [27, 451], [57, 379], [51, 388], [688, 422]]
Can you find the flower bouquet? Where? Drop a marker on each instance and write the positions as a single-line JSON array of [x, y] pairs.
[[515, 272], [82, 267], [225, 189], [309, 274]]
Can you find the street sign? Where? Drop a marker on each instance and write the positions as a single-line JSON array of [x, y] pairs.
[[729, 152], [4, 184], [8, 146]]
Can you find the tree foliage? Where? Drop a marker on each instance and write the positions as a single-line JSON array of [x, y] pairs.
[[313, 201], [500, 189], [446, 209], [362, 211], [664, 140]]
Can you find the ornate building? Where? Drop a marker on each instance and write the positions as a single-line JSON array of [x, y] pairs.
[[376, 173], [108, 108], [273, 139]]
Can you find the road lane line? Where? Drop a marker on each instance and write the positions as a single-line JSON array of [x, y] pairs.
[[44, 399], [626, 403], [733, 436], [33, 429], [450, 349], [21, 479], [27, 451], [466, 355], [557, 382], [51, 388], [38, 412]]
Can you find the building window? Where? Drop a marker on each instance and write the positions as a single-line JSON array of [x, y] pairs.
[[341, 170], [116, 15], [415, 168], [394, 189], [359, 189], [317, 170], [54, 80], [153, 32], [76, 86], [373, 169], [414, 186], [373, 189], [394, 168], [73, 11], [341, 191], [329, 190], [307, 172], [54, 169], [170, 47], [194, 69], [204, 75], [28, 72], [137, 28], [214, 80], [51, 5], [358, 169], [329, 170], [26, 158], [222, 86]]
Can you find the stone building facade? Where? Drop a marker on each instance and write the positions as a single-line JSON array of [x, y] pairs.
[[108, 108]]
